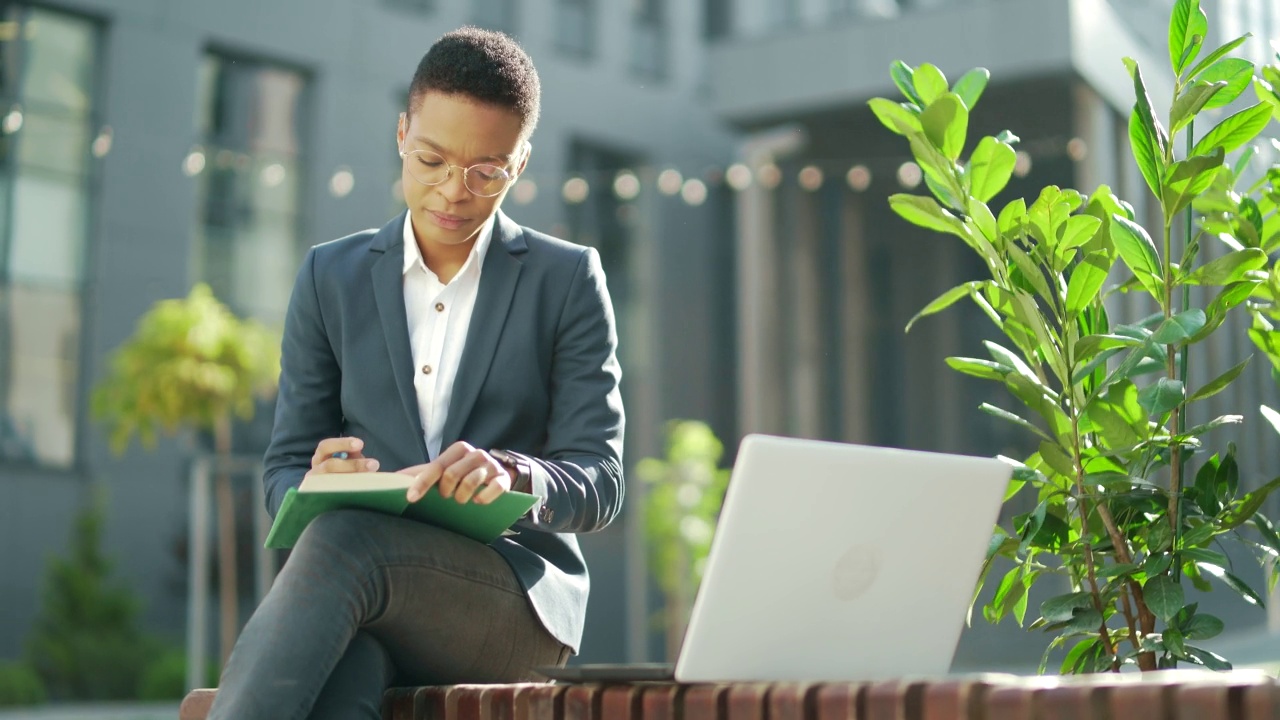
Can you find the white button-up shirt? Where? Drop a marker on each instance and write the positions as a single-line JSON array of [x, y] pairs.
[[438, 316]]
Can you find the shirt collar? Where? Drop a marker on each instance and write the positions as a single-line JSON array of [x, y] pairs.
[[413, 254]]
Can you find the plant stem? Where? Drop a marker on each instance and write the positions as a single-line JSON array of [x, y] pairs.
[[1146, 620], [1083, 507]]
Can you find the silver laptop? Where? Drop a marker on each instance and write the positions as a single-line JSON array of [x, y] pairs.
[[834, 562]]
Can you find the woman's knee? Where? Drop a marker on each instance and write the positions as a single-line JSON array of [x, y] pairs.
[[340, 536], [342, 528]]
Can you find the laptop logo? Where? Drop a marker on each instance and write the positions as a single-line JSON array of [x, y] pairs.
[[855, 572]]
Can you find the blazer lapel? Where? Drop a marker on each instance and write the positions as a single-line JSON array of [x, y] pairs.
[[498, 278], [387, 276]]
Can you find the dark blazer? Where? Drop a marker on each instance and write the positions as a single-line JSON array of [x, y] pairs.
[[539, 376]]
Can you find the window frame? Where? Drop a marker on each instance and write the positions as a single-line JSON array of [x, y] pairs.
[[95, 122]]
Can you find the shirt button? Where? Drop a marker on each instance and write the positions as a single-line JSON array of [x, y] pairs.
[[426, 369], [439, 307]]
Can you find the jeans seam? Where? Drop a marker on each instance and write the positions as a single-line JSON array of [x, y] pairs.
[[452, 573]]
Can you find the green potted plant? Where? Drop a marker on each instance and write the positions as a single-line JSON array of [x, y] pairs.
[[191, 363], [683, 495], [1128, 501]]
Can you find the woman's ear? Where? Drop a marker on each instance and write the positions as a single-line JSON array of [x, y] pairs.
[[524, 157]]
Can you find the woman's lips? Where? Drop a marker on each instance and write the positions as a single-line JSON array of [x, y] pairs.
[[447, 221]]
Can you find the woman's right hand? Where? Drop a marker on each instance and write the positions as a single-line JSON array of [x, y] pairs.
[[341, 455]]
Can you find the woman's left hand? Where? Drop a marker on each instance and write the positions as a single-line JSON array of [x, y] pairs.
[[463, 472]]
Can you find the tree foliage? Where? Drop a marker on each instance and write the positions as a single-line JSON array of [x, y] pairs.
[[190, 362]]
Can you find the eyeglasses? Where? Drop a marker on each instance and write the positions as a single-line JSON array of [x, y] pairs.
[[429, 168]]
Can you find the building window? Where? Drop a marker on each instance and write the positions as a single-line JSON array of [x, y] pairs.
[[605, 216], [649, 38], [575, 27], [717, 19], [495, 15], [250, 171], [48, 83], [419, 7]]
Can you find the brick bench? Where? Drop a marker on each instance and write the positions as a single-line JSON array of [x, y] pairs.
[[1169, 695]]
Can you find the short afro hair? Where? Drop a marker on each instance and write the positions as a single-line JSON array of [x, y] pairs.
[[486, 65]]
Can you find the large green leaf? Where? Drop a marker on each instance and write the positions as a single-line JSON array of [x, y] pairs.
[[1138, 252], [1207, 658], [1251, 214], [1233, 582], [1114, 426], [1236, 72], [1086, 281], [1187, 28], [1078, 230], [1164, 596], [970, 86], [1146, 111], [946, 121], [1272, 417], [1235, 130], [1173, 642], [1219, 383], [1056, 459], [946, 300], [939, 170], [1077, 656], [1030, 272], [1230, 296], [990, 168], [925, 212], [1204, 494], [1090, 345], [1227, 269], [1214, 424], [1061, 608], [985, 369], [1205, 555], [1202, 627], [1008, 592], [982, 218], [1218, 54], [1179, 327], [1246, 507], [1009, 359], [1003, 414], [1013, 218], [1161, 397], [1188, 178], [895, 117], [1269, 95], [930, 83], [1191, 101], [1145, 152], [903, 77], [1036, 397]]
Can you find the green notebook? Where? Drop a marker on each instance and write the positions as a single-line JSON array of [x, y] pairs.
[[385, 492]]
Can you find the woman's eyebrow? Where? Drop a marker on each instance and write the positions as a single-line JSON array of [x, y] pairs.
[[435, 146]]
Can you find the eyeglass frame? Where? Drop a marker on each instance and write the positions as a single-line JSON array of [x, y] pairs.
[[511, 176]]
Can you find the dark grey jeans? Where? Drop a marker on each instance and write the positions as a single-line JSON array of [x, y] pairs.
[[367, 601]]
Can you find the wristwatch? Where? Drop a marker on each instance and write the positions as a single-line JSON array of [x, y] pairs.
[[518, 466]]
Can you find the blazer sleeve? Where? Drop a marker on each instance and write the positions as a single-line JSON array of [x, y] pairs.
[[308, 404], [579, 476]]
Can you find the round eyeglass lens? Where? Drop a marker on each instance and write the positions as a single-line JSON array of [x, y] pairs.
[[430, 168]]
